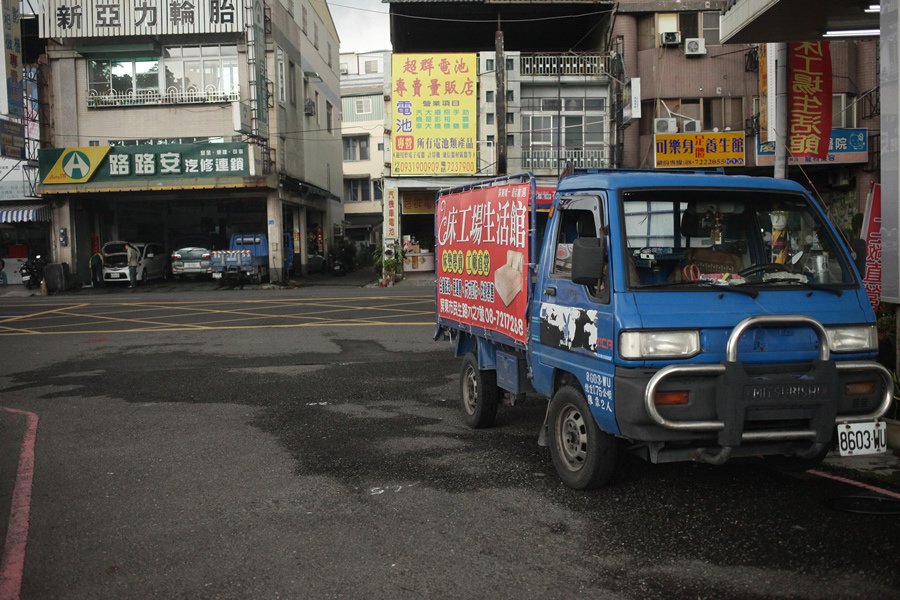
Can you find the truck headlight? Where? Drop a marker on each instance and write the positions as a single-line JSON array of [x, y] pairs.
[[852, 338], [659, 344]]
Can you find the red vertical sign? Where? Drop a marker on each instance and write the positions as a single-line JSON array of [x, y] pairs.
[[809, 99], [872, 236], [482, 254]]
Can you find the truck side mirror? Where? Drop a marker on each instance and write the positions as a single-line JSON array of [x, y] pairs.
[[588, 259]]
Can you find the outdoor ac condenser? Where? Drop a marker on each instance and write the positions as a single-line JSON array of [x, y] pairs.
[[694, 47], [669, 38], [669, 125]]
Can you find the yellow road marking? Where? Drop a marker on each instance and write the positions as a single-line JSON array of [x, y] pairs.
[[46, 312], [395, 307], [143, 321]]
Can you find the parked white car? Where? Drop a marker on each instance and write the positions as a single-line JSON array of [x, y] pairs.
[[154, 262]]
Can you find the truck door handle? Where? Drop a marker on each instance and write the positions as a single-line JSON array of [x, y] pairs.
[[550, 290]]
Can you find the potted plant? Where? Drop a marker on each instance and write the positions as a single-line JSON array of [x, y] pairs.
[[389, 268]]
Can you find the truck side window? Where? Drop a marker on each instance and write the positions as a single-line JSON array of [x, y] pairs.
[[573, 224]]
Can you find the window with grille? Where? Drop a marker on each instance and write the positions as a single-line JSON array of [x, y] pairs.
[[181, 74]]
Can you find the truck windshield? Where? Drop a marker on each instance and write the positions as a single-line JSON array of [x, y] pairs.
[[757, 238]]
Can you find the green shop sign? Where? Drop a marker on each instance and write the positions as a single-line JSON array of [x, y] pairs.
[[98, 167]]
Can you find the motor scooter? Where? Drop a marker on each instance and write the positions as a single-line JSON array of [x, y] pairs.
[[338, 267], [32, 271]]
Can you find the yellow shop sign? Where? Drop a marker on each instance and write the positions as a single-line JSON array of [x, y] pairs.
[[76, 165]]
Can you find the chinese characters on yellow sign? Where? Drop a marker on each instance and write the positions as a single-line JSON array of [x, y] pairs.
[[690, 150], [434, 104]]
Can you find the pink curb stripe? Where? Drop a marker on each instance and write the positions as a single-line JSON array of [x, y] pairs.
[[858, 484], [13, 563]]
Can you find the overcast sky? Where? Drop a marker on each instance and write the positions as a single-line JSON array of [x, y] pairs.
[[362, 24]]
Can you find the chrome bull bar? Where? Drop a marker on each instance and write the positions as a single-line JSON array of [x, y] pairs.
[[731, 356]]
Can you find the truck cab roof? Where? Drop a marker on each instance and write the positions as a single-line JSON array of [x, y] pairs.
[[613, 179]]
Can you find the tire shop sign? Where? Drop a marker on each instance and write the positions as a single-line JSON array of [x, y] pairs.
[[149, 167]]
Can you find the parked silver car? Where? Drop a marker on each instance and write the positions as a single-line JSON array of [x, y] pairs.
[[190, 261], [153, 264]]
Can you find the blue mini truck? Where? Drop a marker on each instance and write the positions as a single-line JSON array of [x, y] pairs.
[[674, 315]]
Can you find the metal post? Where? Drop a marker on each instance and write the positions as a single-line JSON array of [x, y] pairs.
[[500, 103], [781, 110]]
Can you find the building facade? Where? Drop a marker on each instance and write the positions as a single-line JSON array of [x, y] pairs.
[[693, 83], [543, 101], [571, 85], [185, 124], [363, 141]]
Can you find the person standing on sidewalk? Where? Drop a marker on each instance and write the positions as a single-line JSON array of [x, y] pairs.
[[134, 257], [96, 264]]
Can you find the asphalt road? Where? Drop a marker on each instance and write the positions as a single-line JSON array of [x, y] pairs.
[[306, 444]]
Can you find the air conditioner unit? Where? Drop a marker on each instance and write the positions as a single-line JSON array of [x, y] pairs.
[[309, 107], [691, 126], [669, 38], [665, 125], [694, 47]]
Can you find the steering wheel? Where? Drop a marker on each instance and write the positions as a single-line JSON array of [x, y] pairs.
[[765, 268]]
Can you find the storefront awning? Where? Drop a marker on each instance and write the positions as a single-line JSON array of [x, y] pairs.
[[24, 214]]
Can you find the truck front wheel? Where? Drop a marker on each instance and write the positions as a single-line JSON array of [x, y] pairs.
[[583, 455], [479, 394]]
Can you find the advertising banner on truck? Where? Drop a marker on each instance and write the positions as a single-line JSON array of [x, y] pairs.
[[482, 258]]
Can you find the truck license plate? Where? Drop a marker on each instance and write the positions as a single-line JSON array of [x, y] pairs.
[[858, 439], [217, 276]]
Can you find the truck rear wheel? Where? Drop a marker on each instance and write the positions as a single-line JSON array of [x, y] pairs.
[[478, 393], [583, 455]]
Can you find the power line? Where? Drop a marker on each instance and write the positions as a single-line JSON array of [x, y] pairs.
[[492, 20]]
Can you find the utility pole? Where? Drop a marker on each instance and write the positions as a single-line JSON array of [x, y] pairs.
[[781, 110], [500, 103]]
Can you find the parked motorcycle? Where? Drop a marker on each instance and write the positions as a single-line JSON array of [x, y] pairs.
[[338, 267], [32, 271]]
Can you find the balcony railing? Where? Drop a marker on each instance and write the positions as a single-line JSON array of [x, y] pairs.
[[152, 97], [553, 65], [555, 158]]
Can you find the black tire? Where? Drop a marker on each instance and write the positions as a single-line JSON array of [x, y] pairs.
[[583, 455], [167, 274], [479, 395], [143, 278]]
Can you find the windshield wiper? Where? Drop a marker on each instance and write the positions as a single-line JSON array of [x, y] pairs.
[[806, 284]]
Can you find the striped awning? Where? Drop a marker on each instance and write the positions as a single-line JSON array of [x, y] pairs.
[[24, 214]]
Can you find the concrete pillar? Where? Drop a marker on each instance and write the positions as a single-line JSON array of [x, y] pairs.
[[276, 236], [295, 237], [304, 241], [626, 26], [61, 218], [890, 151]]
